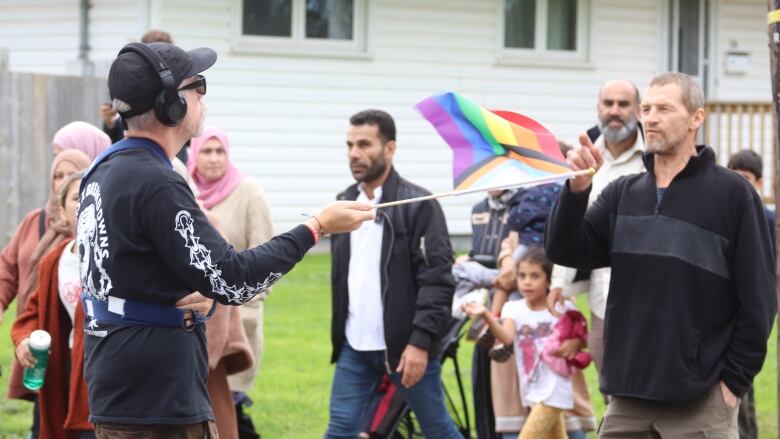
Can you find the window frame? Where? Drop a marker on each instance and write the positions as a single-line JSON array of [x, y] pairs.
[[297, 43], [540, 55]]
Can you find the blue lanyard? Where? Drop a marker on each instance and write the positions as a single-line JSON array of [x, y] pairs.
[[123, 145]]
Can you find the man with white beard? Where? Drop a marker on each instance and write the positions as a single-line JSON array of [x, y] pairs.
[[619, 137]]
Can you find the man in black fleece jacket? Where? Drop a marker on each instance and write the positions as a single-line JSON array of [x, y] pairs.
[[692, 293]]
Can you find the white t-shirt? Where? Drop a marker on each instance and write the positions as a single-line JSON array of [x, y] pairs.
[[365, 329], [538, 383], [69, 283]]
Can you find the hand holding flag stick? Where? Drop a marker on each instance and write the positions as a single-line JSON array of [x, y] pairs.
[[492, 150]]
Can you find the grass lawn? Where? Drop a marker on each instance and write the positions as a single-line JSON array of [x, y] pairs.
[[291, 395]]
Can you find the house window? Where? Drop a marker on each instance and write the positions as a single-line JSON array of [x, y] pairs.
[[269, 18], [329, 19], [317, 26], [520, 24], [687, 38], [540, 31]]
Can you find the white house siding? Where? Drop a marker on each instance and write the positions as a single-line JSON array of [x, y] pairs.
[[40, 35], [742, 26], [114, 23], [287, 114]]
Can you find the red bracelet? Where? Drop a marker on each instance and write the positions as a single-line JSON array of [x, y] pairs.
[[314, 233]]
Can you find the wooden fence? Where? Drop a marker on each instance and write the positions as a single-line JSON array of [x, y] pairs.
[[32, 108], [732, 126]]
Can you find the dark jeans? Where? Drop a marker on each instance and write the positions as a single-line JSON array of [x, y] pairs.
[[356, 378], [202, 430]]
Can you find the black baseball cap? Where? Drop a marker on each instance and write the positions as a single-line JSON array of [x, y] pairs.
[[136, 81]]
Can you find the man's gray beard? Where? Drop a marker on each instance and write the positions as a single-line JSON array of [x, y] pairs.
[[612, 135]]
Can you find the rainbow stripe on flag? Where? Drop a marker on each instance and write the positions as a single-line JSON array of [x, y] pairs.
[[492, 148]]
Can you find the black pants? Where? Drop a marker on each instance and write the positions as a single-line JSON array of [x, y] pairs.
[[35, 430], [484, 418]]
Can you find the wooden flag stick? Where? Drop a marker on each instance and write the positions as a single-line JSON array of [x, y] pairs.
[[535, 181]]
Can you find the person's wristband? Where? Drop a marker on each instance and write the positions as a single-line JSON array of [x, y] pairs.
[[319, 224], [314, 233]]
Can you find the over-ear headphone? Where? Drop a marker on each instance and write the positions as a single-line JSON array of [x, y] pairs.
[[170, 107]]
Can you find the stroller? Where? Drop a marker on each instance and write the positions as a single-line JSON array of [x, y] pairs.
[[391, 416]]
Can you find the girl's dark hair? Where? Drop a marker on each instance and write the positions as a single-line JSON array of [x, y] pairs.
[[535, 255]]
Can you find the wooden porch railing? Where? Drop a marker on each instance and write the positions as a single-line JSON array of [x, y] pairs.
[[733, 126]]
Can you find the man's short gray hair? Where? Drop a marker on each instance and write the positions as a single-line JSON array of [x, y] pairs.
[[120, 105], [692, 94], [142, 122]]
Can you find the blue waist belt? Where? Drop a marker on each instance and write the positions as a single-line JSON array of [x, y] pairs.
[[116, 311]]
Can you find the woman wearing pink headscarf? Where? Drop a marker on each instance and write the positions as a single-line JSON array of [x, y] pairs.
[[83, 136], [235, 198], [239, 204], [79, 136]]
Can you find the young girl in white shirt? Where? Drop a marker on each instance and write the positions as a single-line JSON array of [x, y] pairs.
[[528, 323]]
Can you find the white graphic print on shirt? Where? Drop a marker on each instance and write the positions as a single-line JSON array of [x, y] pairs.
[[200, 258], [538, 383], [92, 241]]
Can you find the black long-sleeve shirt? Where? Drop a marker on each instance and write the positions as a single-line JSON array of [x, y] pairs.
[[692, 294], [142, 237]]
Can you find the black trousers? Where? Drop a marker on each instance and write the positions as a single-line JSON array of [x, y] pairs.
[[483, 402]]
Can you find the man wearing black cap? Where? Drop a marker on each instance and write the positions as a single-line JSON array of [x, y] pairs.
[[144, 244]]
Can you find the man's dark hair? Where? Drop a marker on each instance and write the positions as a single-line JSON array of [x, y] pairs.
[[379, 118], [747, 160]]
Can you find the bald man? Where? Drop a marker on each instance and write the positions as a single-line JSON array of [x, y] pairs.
[[619, 137]]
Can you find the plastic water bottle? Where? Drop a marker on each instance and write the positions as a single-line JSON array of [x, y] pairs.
[[33, 377]]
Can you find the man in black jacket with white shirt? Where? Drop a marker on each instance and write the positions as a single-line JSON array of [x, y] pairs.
[[392, 290], [692, 294]]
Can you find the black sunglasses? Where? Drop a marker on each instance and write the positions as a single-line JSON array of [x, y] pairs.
[[199, 85]]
